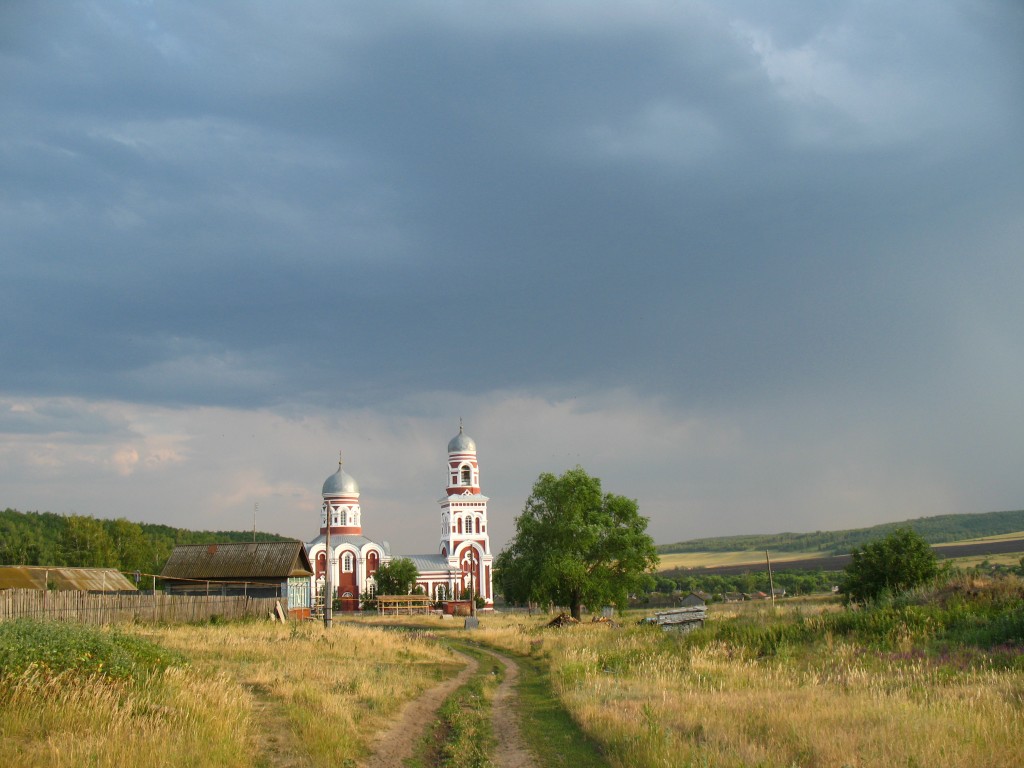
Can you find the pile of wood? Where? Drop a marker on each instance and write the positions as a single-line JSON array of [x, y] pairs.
[[604, 620], [562, 620]]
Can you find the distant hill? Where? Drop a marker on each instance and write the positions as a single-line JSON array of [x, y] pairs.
[[45, 538], [935, 530]]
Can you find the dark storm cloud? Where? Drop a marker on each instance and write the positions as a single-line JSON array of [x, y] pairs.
[[245, 204]]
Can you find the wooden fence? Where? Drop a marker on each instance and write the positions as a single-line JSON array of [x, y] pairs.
[[107, 608]]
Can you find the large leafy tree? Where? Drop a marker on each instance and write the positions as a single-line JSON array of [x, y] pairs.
[[576, 546], [900, 561], [396, 577]]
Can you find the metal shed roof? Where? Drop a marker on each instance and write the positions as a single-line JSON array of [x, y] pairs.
[[258, 560], [83, 579]]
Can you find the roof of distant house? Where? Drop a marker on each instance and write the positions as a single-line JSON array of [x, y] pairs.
[[264, 559], [63, 578]]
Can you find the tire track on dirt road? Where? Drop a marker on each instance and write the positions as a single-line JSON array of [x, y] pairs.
[[397, 743], [511, 751]]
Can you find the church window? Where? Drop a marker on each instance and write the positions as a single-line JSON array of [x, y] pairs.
[[466, 475], [460, 525], [346, 562], [478, 525], [469, 524]]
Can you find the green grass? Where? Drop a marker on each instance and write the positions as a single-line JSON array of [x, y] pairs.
[[547, 726], [985, 623], [54, 648]]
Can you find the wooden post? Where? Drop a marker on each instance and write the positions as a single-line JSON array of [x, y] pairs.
[[771, 582]]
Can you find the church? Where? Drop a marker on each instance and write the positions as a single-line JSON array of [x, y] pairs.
[[462, 561]]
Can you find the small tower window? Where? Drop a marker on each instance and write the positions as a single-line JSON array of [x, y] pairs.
[[346, 562], [460, 525], [467, 475], [469, 524], [478, 525]]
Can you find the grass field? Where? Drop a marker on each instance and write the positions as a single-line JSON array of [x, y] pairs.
[[242, 694], [808, 686], [677, 560], [933, 679], [1001, 537], [715, 559]]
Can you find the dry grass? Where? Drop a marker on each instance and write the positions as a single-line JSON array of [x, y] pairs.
[[250, 690], [674, 560], [997, 537], [650, 704], [331, 690], [178, 719]]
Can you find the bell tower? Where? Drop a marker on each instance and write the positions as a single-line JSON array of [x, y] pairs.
[[464, 538]]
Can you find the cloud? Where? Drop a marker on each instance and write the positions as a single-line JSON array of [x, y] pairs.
[[767, 243]]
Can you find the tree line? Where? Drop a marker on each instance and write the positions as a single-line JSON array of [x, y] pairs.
[[46, 538], [794, 582], [934, 530]]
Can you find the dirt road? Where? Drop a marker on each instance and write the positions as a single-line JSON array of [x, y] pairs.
[[397, 743], [511, 751]]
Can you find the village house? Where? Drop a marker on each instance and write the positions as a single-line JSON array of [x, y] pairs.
[[278, 569], [694, 599]]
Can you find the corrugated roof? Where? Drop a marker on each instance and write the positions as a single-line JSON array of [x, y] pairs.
[[258, 560], [83, 579], [428, 563]]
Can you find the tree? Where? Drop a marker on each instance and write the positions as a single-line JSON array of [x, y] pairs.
[[575, 546], [900, 561], [396, 577], [86, 544]]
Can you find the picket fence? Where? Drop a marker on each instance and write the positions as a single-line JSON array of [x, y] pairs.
[[107, 608]]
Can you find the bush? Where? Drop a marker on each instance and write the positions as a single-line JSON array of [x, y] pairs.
[[895, 564]]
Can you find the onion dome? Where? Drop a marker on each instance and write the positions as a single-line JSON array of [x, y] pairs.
[[461, 443], [340, 482]]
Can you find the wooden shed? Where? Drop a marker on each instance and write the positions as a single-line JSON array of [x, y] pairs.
[[261, 569]]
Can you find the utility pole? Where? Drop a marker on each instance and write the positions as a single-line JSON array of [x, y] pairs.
[[255, 509], [771, 583], [328, 597], [472, 583]]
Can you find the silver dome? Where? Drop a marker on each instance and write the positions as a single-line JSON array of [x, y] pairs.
[[340, 482], [461, 443]]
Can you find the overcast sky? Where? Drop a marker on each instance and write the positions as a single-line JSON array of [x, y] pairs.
[[756, 265]]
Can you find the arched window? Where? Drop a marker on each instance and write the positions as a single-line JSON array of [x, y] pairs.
[[460, 525], [467, 475], [478, 525], [469, 524], [346, 562]]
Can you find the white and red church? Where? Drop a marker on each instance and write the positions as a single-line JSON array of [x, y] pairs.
[[463, 558]]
